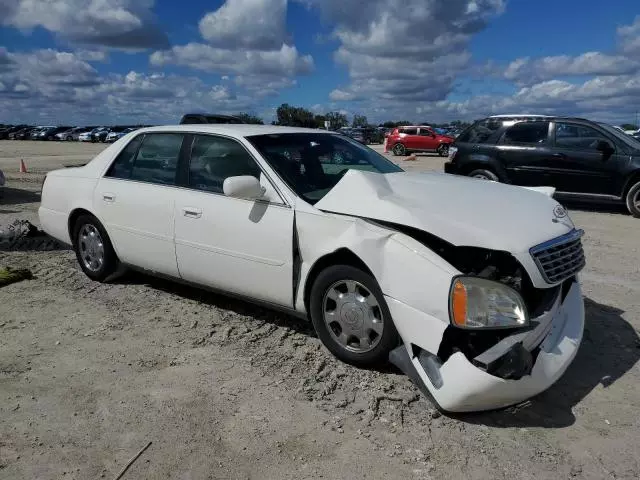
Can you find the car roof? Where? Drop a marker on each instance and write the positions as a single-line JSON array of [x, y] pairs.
[[238, 130]]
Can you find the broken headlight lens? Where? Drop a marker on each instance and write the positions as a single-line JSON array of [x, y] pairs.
[[478, 303]]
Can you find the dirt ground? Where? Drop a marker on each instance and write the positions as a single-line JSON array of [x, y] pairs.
[[90, 373]]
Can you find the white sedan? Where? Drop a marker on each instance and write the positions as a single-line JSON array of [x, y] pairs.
[[469, 286]]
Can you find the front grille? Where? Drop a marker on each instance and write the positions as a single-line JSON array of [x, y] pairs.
[[560, 258]]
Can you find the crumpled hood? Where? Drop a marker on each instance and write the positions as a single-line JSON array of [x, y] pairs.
[[463, 211]]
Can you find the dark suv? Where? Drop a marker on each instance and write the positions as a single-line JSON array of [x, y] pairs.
[[200, 118], [578, 157]]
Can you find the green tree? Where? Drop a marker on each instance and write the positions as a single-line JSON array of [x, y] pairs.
[[359, 121], [336, 120], [295, 116], [629, 126], [319, 120], [250, 118]]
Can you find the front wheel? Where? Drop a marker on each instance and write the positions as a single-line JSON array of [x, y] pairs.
[[399, 150], [443, 150], [93, 248], [484, 174], [351, 317], [633, 199]]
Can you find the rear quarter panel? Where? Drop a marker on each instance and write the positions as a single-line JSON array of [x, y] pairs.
[[61, 195]]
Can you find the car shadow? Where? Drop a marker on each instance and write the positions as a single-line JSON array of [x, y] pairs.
[[219, 300], [17, 196], [610, 348]]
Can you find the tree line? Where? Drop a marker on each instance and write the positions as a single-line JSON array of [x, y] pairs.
[[291, 116]]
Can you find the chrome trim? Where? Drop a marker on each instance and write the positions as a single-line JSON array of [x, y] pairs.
[[573, 236]]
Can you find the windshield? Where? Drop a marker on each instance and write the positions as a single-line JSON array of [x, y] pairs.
[[313, 163], [628, 139]]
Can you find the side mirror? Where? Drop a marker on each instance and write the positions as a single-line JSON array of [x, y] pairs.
[[244, 186], [605, 147]]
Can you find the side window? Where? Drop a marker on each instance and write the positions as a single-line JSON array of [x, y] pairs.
[[409, 131], [578, 136], [123, 164], [214, 159], [425, 132], [157, 158], [480, 132], [530, 133]]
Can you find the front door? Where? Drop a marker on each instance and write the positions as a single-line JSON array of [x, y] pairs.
[[236, 245], [427, 139], [580, 164], [135, 201]]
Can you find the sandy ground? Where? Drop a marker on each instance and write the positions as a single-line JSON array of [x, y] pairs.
[[90, 373]]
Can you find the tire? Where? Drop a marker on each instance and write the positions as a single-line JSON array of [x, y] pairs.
[[50, 139], [102, 270], [358, 316], [443, 150], [69, 139], [399, 150], [483, 174], [633, 199]]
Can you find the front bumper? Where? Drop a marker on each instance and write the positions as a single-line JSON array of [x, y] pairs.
[[450, 167], [457, 385]]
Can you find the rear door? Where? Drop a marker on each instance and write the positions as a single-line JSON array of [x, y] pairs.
[[135, 201], [580, 164], [524, 152]]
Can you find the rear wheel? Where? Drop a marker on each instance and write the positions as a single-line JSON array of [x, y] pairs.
[[443, 149], [633, 199], [483, 174], [93, 248], [399, 150], [351, 317]]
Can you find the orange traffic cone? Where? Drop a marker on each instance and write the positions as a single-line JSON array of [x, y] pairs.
[[23, 167]]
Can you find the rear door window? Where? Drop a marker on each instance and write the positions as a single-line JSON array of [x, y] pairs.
[[480, 132], [409, 131], [526, 133], [157, 158]]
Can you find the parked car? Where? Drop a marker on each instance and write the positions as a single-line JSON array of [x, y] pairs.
[[87, 136], [421, 138], [5, 133], [211, 118], [2, 179], [35, 133], [313, 223], [116, 132], [578, 157], [21, 134], [100, 134], [49, 133], [373, 135], [73, 134]]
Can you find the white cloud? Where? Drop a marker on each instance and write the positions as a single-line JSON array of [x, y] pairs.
[[61, 87], [199, 56], [253, 24], [412, 56], [629, 38], [114, 23]]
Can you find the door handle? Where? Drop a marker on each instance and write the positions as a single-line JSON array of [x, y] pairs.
[[559, 155], [192, 212], [108, 197]]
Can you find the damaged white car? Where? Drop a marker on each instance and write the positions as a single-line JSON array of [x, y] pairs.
[[469, 286]]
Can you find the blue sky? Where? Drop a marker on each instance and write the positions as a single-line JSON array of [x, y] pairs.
[[108, 61]]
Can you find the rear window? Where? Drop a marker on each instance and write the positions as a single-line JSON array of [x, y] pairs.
[[409, 131], [480, 132], [530, 133]]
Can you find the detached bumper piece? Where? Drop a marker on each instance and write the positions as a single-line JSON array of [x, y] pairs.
[[514, 369]]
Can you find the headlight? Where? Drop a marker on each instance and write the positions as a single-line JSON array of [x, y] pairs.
[[477, 303]]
